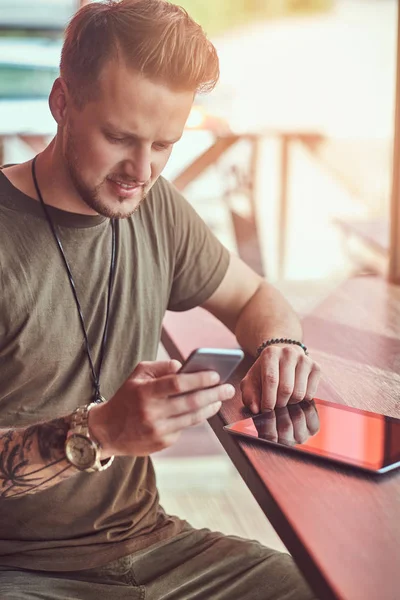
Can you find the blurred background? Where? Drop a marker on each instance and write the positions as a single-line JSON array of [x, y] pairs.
[[289, 162]]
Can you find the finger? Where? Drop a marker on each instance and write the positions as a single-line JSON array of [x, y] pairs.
[[266, 426], [250, 389], [287, 369], [313, 381], [311, 416], [284, 427], [182, 383], [195, 401], [180, 422], [302, 373], [300, 429], [155, 369], [270, 379]]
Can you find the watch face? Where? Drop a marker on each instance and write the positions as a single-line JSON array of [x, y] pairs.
[[80, 451]]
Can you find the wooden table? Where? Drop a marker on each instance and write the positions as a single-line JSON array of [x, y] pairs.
[[342, 528]]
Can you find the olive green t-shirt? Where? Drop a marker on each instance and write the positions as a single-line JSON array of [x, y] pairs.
[[166, 258]]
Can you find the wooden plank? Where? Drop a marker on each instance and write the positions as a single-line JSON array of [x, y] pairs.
[[374, 233], [247, 241], [36, 142], [205, 160]]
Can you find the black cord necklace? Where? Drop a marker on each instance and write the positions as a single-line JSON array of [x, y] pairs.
[[97, 397]]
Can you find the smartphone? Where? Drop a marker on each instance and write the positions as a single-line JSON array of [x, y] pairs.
[[223, 361], [329, 431]]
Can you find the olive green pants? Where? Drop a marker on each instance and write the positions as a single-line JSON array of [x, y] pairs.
[[197, 564]]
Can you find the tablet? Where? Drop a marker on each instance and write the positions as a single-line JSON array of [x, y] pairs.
[[329, 431]]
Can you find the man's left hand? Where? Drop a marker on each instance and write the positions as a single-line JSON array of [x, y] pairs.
[[281, 375]]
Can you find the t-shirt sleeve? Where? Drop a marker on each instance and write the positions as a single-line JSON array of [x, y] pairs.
[[200, 260]]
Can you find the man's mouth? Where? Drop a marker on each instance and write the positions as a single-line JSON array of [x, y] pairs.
[[124, 189], [124, 184]]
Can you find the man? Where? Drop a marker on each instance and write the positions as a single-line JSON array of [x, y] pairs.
[[95, 247]]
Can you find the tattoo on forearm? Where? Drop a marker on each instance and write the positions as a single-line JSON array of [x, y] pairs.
[[19, 470], [51, 438]]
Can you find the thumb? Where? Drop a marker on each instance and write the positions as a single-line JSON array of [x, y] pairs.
[[174, 366], [156, 369]]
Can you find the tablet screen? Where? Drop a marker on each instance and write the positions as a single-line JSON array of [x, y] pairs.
[[334, 431]]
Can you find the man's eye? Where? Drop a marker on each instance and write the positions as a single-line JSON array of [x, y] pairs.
[[161, 146], [116, 140]]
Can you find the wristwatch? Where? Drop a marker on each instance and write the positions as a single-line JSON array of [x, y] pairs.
[[81, 450]]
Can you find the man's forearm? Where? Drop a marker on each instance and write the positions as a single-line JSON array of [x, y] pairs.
[[33, 458], [267, 315]]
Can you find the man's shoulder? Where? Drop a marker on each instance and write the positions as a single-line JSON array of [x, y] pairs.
[[8, 187], [164, 190], [7, 190], [165, 201], [4, 181]]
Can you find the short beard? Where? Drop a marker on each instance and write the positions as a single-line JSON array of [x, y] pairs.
[[91, 196]]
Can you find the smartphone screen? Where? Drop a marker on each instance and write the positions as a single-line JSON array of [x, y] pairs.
[[328, 430]]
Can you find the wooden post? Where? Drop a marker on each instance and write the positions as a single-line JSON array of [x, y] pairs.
[[394, 253], [283, 205], [2, 153]]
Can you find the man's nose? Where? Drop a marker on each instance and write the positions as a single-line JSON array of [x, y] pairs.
[[140, 165]]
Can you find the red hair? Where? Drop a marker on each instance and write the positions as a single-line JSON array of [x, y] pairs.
[[154, 37]]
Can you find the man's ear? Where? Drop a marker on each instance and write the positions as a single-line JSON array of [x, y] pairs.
[[59, 101]]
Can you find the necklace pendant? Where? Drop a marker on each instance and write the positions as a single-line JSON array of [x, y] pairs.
[[98, 398]]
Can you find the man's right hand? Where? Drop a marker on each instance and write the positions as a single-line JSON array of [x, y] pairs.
[[153, 406]]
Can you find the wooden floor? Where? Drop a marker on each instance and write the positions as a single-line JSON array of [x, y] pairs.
[[208, 492]]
